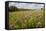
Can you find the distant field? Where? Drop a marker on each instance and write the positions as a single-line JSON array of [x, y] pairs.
[[26, 19]]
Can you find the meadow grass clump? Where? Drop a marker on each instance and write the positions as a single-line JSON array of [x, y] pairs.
[[26, 19]]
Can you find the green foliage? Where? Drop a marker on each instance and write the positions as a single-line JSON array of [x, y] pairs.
[[13, 8], [27, 19]]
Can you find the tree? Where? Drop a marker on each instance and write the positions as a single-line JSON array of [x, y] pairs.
[[13, 8]]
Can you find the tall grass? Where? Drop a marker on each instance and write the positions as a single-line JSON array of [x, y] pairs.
[[26, 19]]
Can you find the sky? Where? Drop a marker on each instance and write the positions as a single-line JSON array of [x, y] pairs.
[[26, 5]]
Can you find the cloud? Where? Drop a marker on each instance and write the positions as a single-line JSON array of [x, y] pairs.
[[26, 5]]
